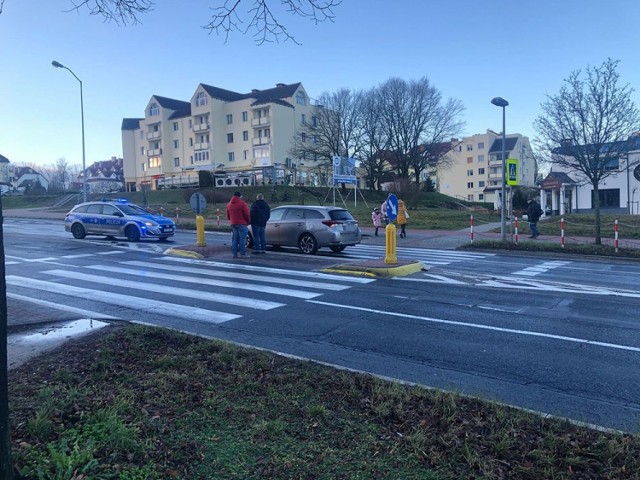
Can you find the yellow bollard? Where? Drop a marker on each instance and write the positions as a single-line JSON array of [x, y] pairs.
[[390, 244], [200, 231]]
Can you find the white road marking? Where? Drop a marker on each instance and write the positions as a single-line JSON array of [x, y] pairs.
[[142, 304], [541, 268], [240, 276], [169, 290], [482, 327], [64, 308]]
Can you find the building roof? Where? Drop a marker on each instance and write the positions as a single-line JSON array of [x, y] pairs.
[[222, 94], [496, 146], [131, 123], [270, 95], [554, 180], [4, 159], [180, 107]]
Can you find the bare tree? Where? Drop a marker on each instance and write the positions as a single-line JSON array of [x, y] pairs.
[[261, 18], [334, 128], [373, 158], [587, 126], [62, 170], [412, 114]]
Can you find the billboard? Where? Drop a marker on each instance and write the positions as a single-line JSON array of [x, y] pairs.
[[344, 170]]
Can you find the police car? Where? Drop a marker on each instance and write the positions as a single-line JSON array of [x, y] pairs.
[[115, 218]]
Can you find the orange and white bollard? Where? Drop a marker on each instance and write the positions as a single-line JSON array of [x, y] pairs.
[[162, 211], [177, 215], [562, 232], [615, 235], [218, 216], [515, 230], [471, 229]]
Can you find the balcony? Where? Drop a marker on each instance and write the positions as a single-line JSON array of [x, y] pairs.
[[201, 146], [200, 127], [261, 141], [152, 135], [260, 122], [156, 152]]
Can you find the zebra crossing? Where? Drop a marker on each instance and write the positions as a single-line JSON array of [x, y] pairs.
[[425, 255], [189, 289]]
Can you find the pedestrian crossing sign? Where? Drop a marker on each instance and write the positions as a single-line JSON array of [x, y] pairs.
[[512, 171]]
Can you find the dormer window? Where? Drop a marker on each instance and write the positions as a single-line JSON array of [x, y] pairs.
[[154, 110], [201, 99], [301, 98]]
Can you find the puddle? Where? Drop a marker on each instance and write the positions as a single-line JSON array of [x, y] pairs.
[[23, 346]]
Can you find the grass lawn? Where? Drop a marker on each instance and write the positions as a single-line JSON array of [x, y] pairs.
[[140, 403]]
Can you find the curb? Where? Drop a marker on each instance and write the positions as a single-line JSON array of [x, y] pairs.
[[374, 271]]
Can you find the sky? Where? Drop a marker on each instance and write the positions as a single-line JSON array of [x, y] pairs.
[[469, 50]]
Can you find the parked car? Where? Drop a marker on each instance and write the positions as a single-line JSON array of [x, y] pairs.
[[310, 228], [117, 218]]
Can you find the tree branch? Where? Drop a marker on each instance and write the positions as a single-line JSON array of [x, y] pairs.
[[122, 12]]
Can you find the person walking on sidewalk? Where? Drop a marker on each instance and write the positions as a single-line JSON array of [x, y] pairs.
[[534, 212], [376, 218], [260, 213], [239, 218], [403, 216]]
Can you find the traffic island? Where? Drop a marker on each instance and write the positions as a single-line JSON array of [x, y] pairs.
[[378, 268]]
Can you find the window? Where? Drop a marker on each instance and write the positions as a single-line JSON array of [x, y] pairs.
[[469, 184], [201, 99], [229, 137], [469, 173], [245, 135], [481, 171], [202, 156], [190, 123], [245, 116], [469, 147], [480, 158], [191, 141], [154, 110], [304, 137], [469, 159], [481, 196], [229, 119], [245, 154], [470, 197], [608, 198], [143, 167], [613, 164], [480, 145], [176, 143], [154, 162], [481, 184], [190, 159], [301, 98], [141, 150], [176, 162], [314, 121], [303, 118], [142, 134], [230, 156], [175, 126]]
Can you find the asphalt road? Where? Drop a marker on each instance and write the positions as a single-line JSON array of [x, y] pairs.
[[560, 336]]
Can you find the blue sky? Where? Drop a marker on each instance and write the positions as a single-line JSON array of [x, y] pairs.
[[469, 50]]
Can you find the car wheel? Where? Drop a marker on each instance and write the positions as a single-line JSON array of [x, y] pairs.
[[338, 248], [308, 244], [249, 241], [132, 233], [78, 231]]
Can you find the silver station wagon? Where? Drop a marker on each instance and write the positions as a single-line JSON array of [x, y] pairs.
[[310, 228], [117, 218]]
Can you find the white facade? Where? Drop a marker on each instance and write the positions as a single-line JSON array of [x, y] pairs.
[[473, 168], [240, 137], [564, 191]]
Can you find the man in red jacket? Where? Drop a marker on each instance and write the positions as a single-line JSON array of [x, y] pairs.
[[238, 215]]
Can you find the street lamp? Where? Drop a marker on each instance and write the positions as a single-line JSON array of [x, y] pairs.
[[501, 102], [84, 171]]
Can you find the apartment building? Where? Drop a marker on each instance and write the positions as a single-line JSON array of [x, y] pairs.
[[472, 170], [243, 138]]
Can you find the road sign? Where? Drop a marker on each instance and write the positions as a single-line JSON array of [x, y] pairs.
[[198, 203], [512, 171], [392, 207]]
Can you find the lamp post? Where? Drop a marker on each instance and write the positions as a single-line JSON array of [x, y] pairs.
[[84, 171], [501, 102]]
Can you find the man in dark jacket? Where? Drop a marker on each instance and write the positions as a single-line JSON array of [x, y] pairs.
[[260, 213], [238, 215], [533, 214]]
